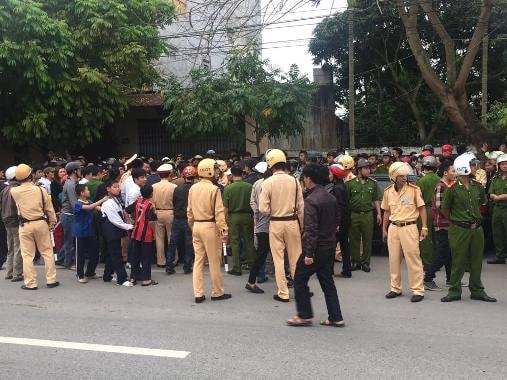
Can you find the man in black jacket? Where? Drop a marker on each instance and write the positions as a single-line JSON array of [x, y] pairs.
[[180, 229], [321, 220], [339, 191]]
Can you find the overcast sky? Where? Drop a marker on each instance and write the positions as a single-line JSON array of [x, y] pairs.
[[285, 43]]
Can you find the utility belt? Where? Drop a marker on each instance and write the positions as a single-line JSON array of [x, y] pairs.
[[239, 212], [467, 225], [204, 220], [23, 221], [283, 218], [362, 212], [404, 224]]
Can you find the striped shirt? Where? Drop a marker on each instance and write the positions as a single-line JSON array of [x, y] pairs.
[[440, 222]]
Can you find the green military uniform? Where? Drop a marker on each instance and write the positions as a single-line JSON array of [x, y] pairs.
[[361, 198], [236, 198], [466, 237], [382, 169], [499, 217], [427, 184]]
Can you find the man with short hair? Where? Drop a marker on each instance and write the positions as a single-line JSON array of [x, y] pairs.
[[68, 251], [320, 224], [236, 199], [249, 174]]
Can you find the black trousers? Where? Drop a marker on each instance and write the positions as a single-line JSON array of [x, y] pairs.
[[3, 244], [442, 256], [114, 262], [342, 236], [141, 260], [262, 254], [323, 266], [86, 248]]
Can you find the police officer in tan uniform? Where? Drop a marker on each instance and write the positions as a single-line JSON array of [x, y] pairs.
[[206, 218], [37, 217], [402, 205], [282, 199], [163, 201]]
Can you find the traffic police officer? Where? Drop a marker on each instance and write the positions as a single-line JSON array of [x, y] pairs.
[[163, 192], [427, 183], [403, 205], [281, 198], [461, 205], [206, 218], [37, 217], [363, 195], [498, 196]]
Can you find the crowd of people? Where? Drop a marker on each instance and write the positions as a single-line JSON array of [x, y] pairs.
[[303, 214]]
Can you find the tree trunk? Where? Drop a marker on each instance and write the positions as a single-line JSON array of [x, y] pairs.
[[484, 100]]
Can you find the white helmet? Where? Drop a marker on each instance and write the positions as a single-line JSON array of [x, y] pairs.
[[494, 155], [462, 163], [10, 173], [500, 159]]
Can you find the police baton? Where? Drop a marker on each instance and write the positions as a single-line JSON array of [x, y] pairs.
[[224, 251]]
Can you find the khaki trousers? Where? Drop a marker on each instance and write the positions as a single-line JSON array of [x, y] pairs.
[[14, 264], [163, 228], [206, 241], [31, 236], [284, 235], [404, 242]]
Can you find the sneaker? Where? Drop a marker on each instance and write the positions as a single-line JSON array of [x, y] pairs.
[[127, 284], [17, 279], [82, 280], [430, 285]]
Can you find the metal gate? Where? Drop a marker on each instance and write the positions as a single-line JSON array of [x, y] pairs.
[[155, 141]]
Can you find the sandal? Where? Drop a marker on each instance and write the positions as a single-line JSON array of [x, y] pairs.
[[150, 283], [299, 322], [329, 323]]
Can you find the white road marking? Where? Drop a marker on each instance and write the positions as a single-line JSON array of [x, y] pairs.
[[95, 347]]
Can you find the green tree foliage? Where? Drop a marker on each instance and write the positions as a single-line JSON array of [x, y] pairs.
[[393, 103], [247, 90], [66, 66]]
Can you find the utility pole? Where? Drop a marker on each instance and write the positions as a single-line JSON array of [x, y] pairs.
[[350, 10], [484, 100]]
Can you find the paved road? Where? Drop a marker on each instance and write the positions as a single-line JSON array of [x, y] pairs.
[[246, 337]]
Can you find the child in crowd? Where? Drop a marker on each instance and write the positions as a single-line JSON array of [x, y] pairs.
[[114, 228], [84, 233], [144, 216]]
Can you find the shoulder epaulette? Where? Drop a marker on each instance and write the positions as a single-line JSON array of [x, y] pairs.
[[388, 187], [477, 182], [413, 185], [373, 179]]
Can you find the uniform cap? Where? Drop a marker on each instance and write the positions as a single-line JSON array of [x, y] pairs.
[[222, 165], [428, 147], [22, 172], [261, 167], [501, 158], [165, 168], [198, 157], [206, 168], [71, 166], [362, 163], [385, 151], [462, 163], [275, 156], [338, 171], [189, 172], [10, 173], [211, 151], [398, 168], [447, 148], [346, 161], [429, 161]]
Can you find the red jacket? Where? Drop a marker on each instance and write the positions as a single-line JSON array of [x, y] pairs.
[[143, 214]]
